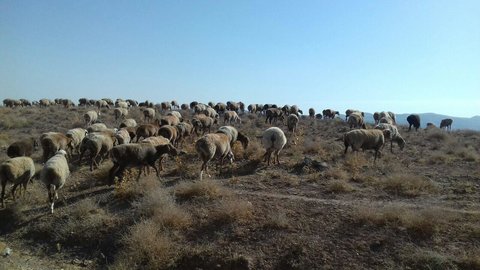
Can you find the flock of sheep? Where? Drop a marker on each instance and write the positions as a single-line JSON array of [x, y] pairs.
[[141, 145]]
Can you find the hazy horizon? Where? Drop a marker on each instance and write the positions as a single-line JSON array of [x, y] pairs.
[[401, 56]]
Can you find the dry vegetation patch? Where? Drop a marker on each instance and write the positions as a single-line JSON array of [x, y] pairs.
[[206, 188], [231, 210], [408, 185]]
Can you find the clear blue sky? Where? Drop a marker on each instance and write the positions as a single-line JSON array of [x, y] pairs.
[[403, 56]]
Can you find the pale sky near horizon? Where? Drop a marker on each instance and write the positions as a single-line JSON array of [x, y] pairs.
[[403, 56]]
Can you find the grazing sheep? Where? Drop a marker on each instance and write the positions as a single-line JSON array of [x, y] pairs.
[[211, 112], [413, 120], [44, 102], [311, 113], [155, 141], [97, 127], [76, 135], [121, 104], [67, 103], [365, 139], [169, 132], [98, 145], [286, 109], [233, 106], [18, 170], [329, 113], [394, 135], [22, 148], [355, 120], [54, 174], [231, 117], [446, 123], [147, 130], [387, 117], [184, 106], [318, 116], [129, 122], [123, 136], [170, 120], [52, 142], [430, 126], [234, 135], [292, 122], [174, 104], [120, 113], [252, 108], [213, 145], [132, 103], [102, 104], [295, 110], [148, 114], [177, 114], [184, 130], [350, 111], [273, 140], [376, 117], [273, 114], [26, 102], [203, 123], [82, 102], [137, 155], [90, 117]]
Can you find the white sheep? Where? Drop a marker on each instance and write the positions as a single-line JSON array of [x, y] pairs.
[[177, 114], [148, 114], [213, 145], [122, 104], [120, 113], [18, 170], [387, 118], [231, 117], [356, 120], [365, 139], [76, 135], [393, 136], [234, 135], [97, 127], [273, 140], [129, 122], [98, 144], [90, 117], [122, 135], [54, 174]]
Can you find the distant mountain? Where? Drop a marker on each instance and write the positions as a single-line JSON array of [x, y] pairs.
[[472, 123]]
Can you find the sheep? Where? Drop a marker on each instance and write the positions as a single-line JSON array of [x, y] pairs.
[[108, 101], [252, 108], [170, 120], [273, 140], [169, 132], [199, 108], [213, 145], [67, 103], [286, 109], [17, 170], [97, 127], [76, 135], [184, 129], [211, 112], [155, 141], [365, 139], [26, 102], [123, 136], [137, 154], [394, 135], [376, 117], [22, 147], [220, 107], [121, 104], [148, 114], [184, 106], [98, 145], [311, 113], [132, 103], [446, 123], [54, 175], [295, 110], [233, 106], [174, 104], [52, 142], [430, 126], [102, 104], [44, 102], [231, 117], [234, 135], [388, 117], [413, 120], [147, 130], [129, 122], [329, 113], [273, 114], [177, 114], [355, 120], [90, 117], [82, 102], [120, 113], [348, 112], [203, 123], [292, 122]]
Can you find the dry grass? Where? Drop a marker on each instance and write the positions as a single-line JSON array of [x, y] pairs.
[[146, 247], [254, 150], [423, 259], [408, 185], [419, 223], [158, 205], [336, 173], [233, 210], [277, 220], [130, 189], [11, 216], [11, 122], [206, 188], [339, 186]]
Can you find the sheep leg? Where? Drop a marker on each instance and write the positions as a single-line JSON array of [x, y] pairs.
[[4, 183], [13, 190], [113, 172]]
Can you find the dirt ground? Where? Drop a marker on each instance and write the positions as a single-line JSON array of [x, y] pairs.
[[416, 208]]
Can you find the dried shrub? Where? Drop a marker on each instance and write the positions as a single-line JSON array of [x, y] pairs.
[[11, 216], [336, 173], [13, 122], [407, 185], [146, 247], [277, 220], [339, 186], [201, 188], [130, 189], [254, 150], [437, 135], [233, 210]]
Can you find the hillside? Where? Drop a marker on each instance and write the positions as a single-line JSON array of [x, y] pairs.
[[318, 209]]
